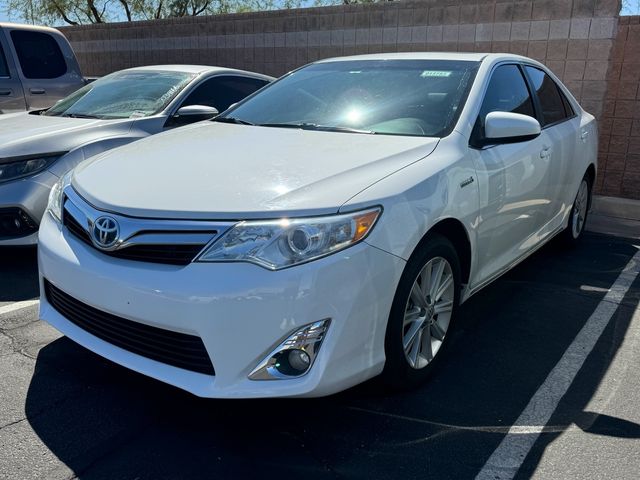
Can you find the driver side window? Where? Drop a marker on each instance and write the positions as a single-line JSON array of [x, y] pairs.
[[222, 91], [507, 92]]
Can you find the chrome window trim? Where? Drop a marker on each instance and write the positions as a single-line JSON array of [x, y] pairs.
[[144, 231]]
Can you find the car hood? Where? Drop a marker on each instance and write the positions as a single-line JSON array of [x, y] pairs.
[[28, 134], [221, 171]]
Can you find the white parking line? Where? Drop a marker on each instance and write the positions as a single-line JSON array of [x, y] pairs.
[[512, 451], [12, 307]]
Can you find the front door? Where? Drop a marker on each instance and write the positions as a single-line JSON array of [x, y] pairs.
[[11, 94], [513, 181]]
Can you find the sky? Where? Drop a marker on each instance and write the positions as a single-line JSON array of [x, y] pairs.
[[632, 7]]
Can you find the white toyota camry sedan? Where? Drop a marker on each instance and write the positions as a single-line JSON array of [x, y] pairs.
[[321, 232]]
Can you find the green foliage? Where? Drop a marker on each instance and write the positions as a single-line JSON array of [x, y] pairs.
[[79, 12]]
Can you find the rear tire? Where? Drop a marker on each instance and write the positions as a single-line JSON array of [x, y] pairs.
[[579, 213], [422, 314]]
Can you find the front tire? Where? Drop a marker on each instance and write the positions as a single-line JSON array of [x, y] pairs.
[[422, 314]]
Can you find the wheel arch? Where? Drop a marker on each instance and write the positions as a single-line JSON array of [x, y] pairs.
[[591, 175], [454, 231]]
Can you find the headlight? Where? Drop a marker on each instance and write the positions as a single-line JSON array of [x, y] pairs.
[[56, 196], [277, 244], [25, 167]]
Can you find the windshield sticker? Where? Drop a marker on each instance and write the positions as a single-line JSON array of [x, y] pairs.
[[435, 73]]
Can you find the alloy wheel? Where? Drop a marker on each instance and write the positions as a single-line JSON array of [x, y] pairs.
[[428, 312]]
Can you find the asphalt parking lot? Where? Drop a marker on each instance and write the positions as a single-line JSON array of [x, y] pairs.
[[519, 346]]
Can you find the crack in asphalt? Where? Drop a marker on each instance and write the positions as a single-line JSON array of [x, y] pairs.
[[2, 427], [19, 351]]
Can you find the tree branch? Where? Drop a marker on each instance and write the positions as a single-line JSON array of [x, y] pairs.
[[127, 10], [94, 11]]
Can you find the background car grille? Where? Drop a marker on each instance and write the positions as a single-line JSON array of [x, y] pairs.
[[168, 254], [173, 348]]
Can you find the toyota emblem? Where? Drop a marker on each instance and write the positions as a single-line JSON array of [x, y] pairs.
[[105, 232]]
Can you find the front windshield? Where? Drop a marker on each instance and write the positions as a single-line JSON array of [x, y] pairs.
[[126, 94], [395, 97]]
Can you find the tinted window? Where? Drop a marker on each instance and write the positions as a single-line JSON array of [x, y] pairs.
[[553, 109], [395, 97], [507, 92], [39, 54], [568, 109], [221, 92], [4, 70]]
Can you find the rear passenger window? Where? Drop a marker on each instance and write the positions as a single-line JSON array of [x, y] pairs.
[[39, 55], [4, 70], [221, 92], [568, 109], [553, 107]]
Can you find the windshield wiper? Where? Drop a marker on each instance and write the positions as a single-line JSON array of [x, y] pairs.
[[315, 126], [232, 120], [79, 115]]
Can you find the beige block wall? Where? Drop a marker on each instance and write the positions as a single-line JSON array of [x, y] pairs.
[[620, 122], [575, 38]]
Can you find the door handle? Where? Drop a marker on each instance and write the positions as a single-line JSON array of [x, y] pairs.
[[5, 92], [545, 152], [37, 91], [584, 135]]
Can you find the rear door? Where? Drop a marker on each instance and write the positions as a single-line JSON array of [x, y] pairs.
[[11, 94], [45, 70]]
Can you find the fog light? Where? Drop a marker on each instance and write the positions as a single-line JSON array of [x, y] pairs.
[[299, 360], [14, 222], [293, 357]]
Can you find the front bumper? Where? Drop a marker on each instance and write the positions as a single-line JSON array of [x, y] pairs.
[[239, 310], [31, 196]]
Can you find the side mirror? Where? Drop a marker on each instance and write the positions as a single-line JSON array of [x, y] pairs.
[[506, 127], [193, 113]]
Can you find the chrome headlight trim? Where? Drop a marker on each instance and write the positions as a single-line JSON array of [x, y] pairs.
[[284, 243]]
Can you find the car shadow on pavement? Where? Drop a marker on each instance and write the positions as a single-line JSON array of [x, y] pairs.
[[18, 273], [104, 421]]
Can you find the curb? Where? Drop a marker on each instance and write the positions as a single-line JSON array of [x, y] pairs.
[[616, 207]]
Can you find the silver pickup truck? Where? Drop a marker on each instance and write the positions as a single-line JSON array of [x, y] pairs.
[[37, 67]]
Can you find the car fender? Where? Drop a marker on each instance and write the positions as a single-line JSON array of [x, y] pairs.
[[74, 157], [441, 186]]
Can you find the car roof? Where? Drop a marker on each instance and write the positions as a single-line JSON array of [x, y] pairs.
[[197, 69], [461, 56], [32, 28]]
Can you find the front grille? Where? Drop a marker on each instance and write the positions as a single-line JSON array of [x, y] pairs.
[[175, 254], [74, 227], [15, 223], [173, 348]]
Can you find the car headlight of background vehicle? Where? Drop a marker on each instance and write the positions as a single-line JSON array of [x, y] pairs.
[[277, 244], [26, 167], [56, 196]]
